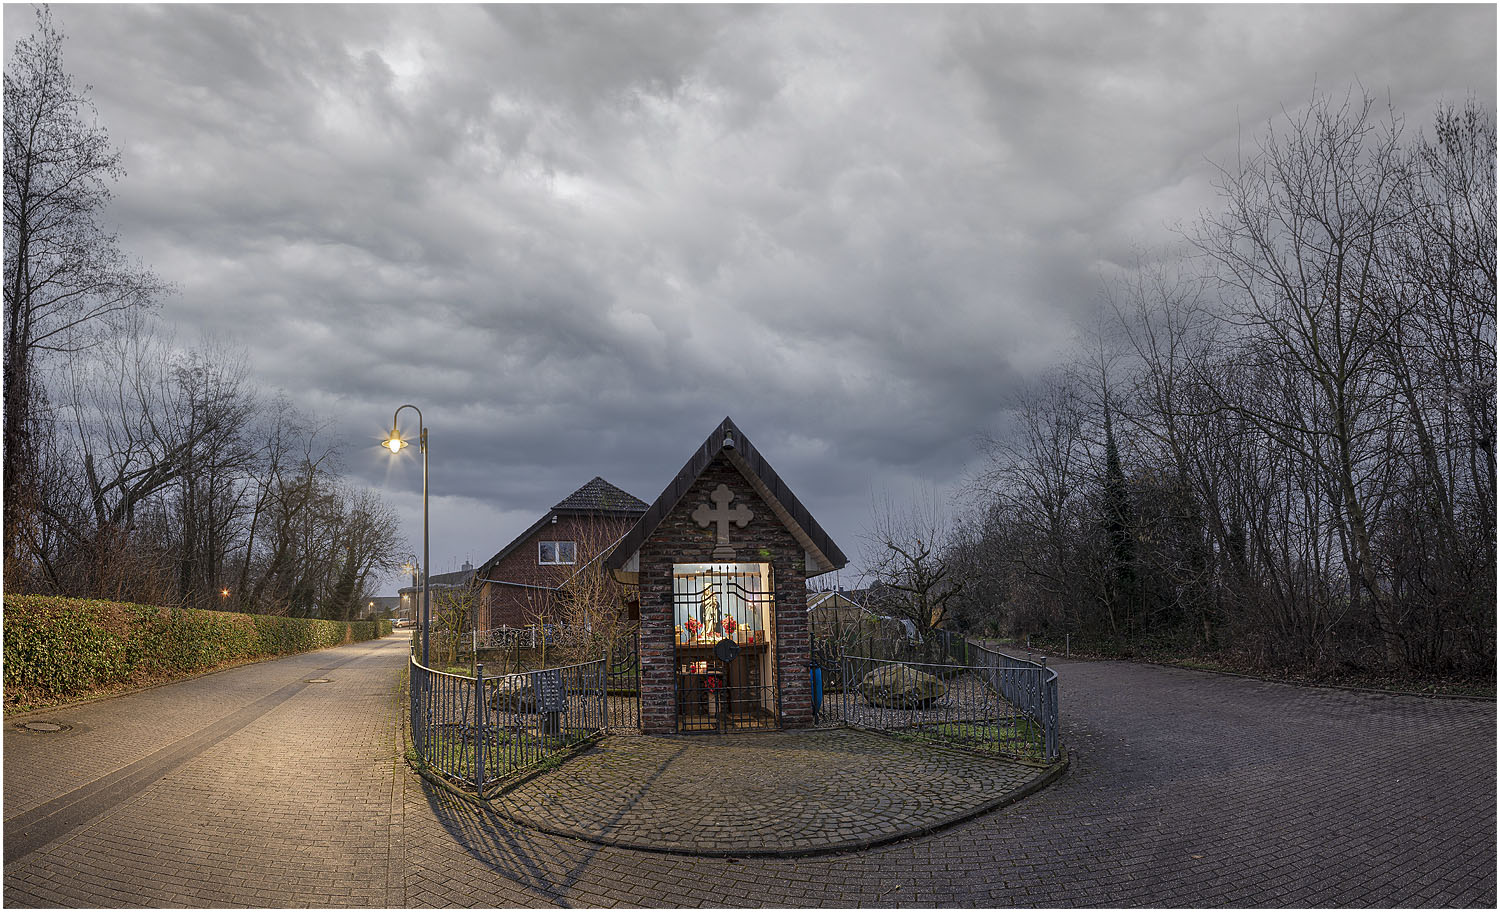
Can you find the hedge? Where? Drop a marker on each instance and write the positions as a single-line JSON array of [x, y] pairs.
[[62, 648]]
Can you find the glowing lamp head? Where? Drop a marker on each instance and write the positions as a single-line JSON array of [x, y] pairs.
[[394, 443], [224, 593]]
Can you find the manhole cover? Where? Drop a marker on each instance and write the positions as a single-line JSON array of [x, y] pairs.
[[317, 680], [44, 727]]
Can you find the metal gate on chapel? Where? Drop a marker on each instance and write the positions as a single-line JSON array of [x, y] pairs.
[[726, 651]]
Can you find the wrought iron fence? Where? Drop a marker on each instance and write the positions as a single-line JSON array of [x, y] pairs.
[[998, 704], [481, 731], [532, 636], [1029, 686], [890, 642], [625, 684]]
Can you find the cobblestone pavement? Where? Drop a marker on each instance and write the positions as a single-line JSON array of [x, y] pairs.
[[770, 793], [1185, 789]]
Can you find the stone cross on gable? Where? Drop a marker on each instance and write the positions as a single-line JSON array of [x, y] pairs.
[[723, 515]]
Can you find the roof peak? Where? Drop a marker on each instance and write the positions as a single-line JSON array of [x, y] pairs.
[[727, 439], [598, 495]]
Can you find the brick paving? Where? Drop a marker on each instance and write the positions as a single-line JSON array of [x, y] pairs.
[[761, 794], [251, 787], [1186, 789]]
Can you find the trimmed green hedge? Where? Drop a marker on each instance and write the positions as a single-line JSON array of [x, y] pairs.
[[61, 648]]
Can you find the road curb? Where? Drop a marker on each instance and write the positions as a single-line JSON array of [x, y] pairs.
[[1352, 688]]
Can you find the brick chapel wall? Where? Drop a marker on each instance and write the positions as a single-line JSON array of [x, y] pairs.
[[680, 540], [514, 606]]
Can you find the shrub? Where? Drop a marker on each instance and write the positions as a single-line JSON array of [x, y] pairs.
[[60, 648]]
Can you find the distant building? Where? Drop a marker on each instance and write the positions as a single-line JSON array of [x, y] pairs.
[[410, 597], [835, 610], [380, 606]]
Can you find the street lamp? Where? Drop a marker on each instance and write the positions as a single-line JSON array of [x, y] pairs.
[[394, 443]]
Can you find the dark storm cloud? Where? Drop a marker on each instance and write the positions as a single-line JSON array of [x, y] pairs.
[[579, 236]]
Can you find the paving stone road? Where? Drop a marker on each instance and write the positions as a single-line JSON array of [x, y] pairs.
[[253, 787]]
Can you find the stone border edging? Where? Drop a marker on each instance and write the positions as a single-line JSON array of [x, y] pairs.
[[1352, 688]]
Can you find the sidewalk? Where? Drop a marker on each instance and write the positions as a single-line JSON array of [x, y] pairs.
[[247, 787]]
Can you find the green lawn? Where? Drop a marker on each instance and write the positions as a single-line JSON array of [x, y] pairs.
[[1016, 737]]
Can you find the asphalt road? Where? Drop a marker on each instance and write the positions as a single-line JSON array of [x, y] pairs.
[[255, 787]]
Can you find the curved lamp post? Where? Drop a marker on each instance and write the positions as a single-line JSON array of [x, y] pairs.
[[394, 443]]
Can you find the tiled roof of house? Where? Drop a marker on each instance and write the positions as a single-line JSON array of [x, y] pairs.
[[596, 497], [456, 578], [599, 496]]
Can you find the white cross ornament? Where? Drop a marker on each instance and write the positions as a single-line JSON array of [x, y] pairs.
[[722, 515]]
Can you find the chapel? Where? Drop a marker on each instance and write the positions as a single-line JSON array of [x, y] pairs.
[[719, 564]]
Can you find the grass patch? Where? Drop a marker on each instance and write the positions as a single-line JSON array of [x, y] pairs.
[[1018, 737], [451, 751]]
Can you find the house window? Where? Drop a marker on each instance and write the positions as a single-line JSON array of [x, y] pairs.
[[557, 552]]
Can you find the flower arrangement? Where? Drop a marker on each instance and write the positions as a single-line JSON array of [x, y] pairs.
[[711, 685], [729, 626], [693, 625]]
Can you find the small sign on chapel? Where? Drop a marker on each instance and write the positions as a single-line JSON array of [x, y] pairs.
[[725, 615]]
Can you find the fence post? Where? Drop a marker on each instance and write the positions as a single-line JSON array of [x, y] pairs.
[[602, 677], [1046, 714], [479, 740], [414, 710]]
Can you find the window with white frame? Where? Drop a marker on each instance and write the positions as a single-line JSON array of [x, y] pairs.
[[557, 552]]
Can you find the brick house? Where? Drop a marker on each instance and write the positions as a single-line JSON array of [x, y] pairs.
[[518, 586], [720, 564]]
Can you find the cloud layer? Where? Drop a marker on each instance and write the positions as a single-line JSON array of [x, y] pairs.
[[577, 237]]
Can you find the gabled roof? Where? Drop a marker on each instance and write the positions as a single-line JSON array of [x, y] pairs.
[[454, 579], [818, 598], [597, 497], [742, 454]]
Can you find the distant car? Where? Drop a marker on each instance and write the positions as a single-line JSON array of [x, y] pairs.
[[404, 622]]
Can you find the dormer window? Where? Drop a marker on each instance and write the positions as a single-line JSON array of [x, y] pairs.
[[557, 552]]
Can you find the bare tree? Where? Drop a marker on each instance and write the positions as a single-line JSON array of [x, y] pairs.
[[906, 551], [590, 602], [1303, 433], [1297, 250], [452, 615], [64, 274], [365, 543]]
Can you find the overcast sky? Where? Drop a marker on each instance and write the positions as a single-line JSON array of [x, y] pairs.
[[578, 237]]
